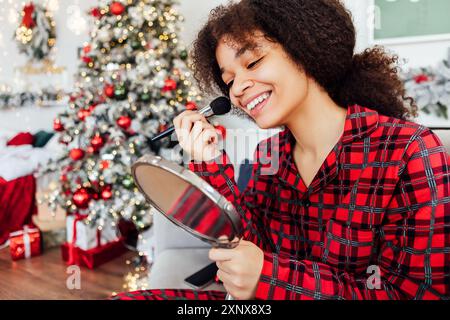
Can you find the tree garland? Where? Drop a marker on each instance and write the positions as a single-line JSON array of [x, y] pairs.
[[430, 88], [10, 100], [36, 35]]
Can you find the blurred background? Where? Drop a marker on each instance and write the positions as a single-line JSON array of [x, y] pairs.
[[85, 84]]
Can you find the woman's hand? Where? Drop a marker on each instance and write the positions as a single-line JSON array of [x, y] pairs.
[[197, 136], [239, 268]]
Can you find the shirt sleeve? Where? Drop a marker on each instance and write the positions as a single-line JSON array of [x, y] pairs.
[[414, 255], [219, 173]]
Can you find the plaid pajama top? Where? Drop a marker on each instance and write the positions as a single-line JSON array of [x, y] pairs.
[[380, 204]]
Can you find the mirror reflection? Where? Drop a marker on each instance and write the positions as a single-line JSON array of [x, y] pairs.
[[184, 203]]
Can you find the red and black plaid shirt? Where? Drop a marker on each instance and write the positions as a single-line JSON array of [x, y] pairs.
[[381, 198]]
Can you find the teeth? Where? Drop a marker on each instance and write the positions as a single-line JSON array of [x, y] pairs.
[[257, 101]]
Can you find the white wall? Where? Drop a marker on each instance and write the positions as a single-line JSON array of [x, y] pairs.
[[195, 13]]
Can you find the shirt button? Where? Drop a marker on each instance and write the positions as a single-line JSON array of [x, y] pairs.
[[307, 203]]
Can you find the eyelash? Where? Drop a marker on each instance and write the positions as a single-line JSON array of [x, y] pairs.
[[251, 65]]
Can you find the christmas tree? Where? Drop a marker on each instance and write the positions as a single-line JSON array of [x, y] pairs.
[[133, 79]]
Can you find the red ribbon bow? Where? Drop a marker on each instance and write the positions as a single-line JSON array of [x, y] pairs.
[[73, 251], [27, 19]]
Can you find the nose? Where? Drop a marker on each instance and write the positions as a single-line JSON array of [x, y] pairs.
[[239, 86]]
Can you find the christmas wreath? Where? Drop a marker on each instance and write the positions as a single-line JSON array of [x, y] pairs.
[[36, 33]]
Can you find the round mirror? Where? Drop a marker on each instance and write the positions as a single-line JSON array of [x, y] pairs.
[[188, 201]]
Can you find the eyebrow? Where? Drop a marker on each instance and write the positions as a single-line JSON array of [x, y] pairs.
[[240, 52]]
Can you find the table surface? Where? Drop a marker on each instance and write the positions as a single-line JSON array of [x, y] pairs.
[[45, 277]]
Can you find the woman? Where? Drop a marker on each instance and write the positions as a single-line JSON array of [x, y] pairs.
[[359, 206]]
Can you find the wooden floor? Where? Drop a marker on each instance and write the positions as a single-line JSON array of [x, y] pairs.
[[44, 277]]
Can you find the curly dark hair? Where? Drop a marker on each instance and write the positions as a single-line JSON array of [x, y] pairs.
[[319, 36]]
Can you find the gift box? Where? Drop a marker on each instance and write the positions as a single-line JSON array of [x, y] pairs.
[[25, 243], [87, 236], [88, 246], [51, 223], [94, 257]]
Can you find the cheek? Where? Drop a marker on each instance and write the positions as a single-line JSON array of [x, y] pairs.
[[292, 90]]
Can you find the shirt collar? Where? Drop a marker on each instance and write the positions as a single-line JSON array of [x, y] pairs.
[[359, 124]]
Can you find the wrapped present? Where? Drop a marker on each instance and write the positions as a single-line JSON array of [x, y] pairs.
[[96, 247], [52, 223], [25, 243], [88, 236], [94, 257]]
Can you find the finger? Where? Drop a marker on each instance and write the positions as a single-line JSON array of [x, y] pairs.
[[196, 130], [186, 123], [188, 120], [221, 254], [225, 266], [224, 277], [231, 289], [209, 136], [176, 125], [178, 118]]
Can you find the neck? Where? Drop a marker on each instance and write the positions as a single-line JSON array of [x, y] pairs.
[[318, 123]]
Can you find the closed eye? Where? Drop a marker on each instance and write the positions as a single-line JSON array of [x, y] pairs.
[[251, 65]]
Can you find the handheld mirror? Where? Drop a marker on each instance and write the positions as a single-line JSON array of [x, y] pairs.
[[188, 201]]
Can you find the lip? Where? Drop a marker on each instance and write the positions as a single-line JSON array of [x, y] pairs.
[[255, 111], [244, 104]]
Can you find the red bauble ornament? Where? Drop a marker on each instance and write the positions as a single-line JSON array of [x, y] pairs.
[[57, 125], [124, 122], [67, 169], [87, 48], [191, 106], [117, 8], [169, 85], [81, 198], [76, 154], [87, 59], [95, 196], [104, 164], [162, 127], [90, 150], [97, 142], [83, 114], [109, 90], [63, 178], [106, 193], [421, 78], [221, 130], [92, 107], [27, 19], [96, 13]]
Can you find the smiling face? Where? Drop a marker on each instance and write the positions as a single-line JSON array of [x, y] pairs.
[[263, 81]]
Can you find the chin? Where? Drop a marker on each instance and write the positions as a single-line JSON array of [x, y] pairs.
[[266, 124]]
